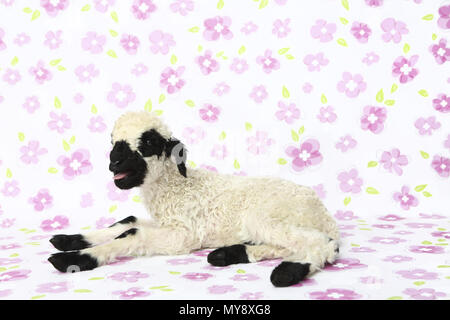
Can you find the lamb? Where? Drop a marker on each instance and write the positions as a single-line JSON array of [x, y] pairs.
[[248, 219]]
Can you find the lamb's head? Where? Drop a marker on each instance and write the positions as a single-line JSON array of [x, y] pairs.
[[142, 149]]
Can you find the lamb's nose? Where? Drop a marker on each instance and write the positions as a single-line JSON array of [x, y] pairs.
[[114, 164]]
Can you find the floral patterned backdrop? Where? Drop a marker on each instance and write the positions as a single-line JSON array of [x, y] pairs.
[[350, 97]]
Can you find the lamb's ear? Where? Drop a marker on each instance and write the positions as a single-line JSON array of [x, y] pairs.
[[178, 150]]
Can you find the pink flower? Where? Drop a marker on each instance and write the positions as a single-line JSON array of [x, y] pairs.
[[195, 276], [10, 246], [361, 31], [249, 27], [93, 42], [335, 294], [431, 216], [397, 259], [267, 62], [442, 103], [14, 275], [281, 28], [130, 276], [96, 124], [374, 3], [391, 217], [31, 152], [120, 260], [345, 264], [346, 143], [426, 126], [139, 69], [323, 31], [2, 43], [59, 122], [260, 143], [209, 113], [288, 113], [370, 58], [393, 30], [142, 9], [11, 76], [10, 188], [441, 234], [31, 104], [362, 250], [104, 222], [219, 152], [57, 223], [7, 223], [251, 295], [444, 17], [86, 73], [245, 277], [406, 199], [8, 261], [53, 7], [129, 43], [103, 5], [40, 73], [427, 249], [384, 226], [116, 194], [345, 215], [121, 95], [207, 63], [404, 68], [349, 181], [78, 98], [424, 294], [216, 27], [22, 39], [53, 39], [239, 65], [131, 293], [320, 191], [386, 240], [182, 261], [393, 160], [160, 42], [440, 51], [441, 165], [307, 155], [352, 85], [43, 200], [373, 119], [221, 88], [53, 287], [216, 289], [327, 114], [171, 79], [259, 93], [314, 62], [77, 164], [193, 135], [420, 225], [307, 87], [182, 6]]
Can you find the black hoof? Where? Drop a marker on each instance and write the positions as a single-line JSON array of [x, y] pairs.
[[72, 242], [289, 273], [228, 255], [72, 262]]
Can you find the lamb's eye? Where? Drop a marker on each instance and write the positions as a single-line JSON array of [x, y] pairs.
[[148, 142]]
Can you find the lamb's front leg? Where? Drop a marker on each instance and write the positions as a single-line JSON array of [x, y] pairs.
[[148, 240]]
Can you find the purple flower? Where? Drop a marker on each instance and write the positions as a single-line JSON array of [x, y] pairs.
[[31, 152], [239, 65], [427, 249], [53, 287], [267, 62], [351, 85], [160, 42], [426, 126], [216, 27], [53, 7], [11, 76], [103, 5], [397, 259], [249, 27], [323, 31], [442, 103], [441, 165], [116, 194], [130, 276], [327, 114], [424, 294], [11, 188], [86, 73], [373, 119], [59, 122], [207, 63], [75, 165], [21, 39], [131, 293], [349, 181], [171, 79], [404, 68], [40, 73], [393, 160], [314, 62], [345, 264], [393, 30], [31, 104], [221, 88], [288, 112], [406, 199], [259, 93], [346, 143], [440, 51], [14, 275], [121, 95], [386, 240], [53, 39], [182, 6], [306, 155], [96, 124], [418, 274], [93, 42], [209, 113], [281, 28], [370, 58], [142, 9], [43, 200], [444, 17], [245, 277], [335, 294], [260, 143], [57, 223], [345, 215], [195, 276], [361, 31], [216, 289]]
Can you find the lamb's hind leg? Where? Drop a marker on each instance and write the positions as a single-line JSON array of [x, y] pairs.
[[65, 242]]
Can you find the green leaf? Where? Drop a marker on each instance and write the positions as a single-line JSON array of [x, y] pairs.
[[72, 140], [263, 4], [301, 130], [323, 98], [82, 291], [406, 48], [289, 57], [52, 170], [66, 146], [241, 50], [420, 187], [347, 200], [394, 88], [94, 109], [427, 194], [343, 20], [96, 278], [148, 105], [236, 164], [86, 8], [342, 42], [162, 97], [199, 48], [194, 29], [27, 10], [281, 161], [220, 4], [173, 59], [283, 51], [112, 208], [191, 164], [111, 53], [285, 92], [113, 33], [240, 271], [395, 298], [37, 297], [222, 135], [21, 136], [345, 4], [424, 154], [380, 96], [57, 103], [443, 266], [427, 242], [14, 61], [248, 126], [8, 173], [219, 54], [372, 164], [159, 112], [190, 103], [136, 199], [174, 272], [35, 15], [61, 68], [295, 136], [434, 36], [428, 17], [114, 16], [389, 102], [55, 62], [423, 93], [371, 190], [157, 288]]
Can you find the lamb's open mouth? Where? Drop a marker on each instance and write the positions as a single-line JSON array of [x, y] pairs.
[[122, 175]]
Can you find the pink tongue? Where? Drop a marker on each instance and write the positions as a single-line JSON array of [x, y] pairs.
[[120, 175]]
